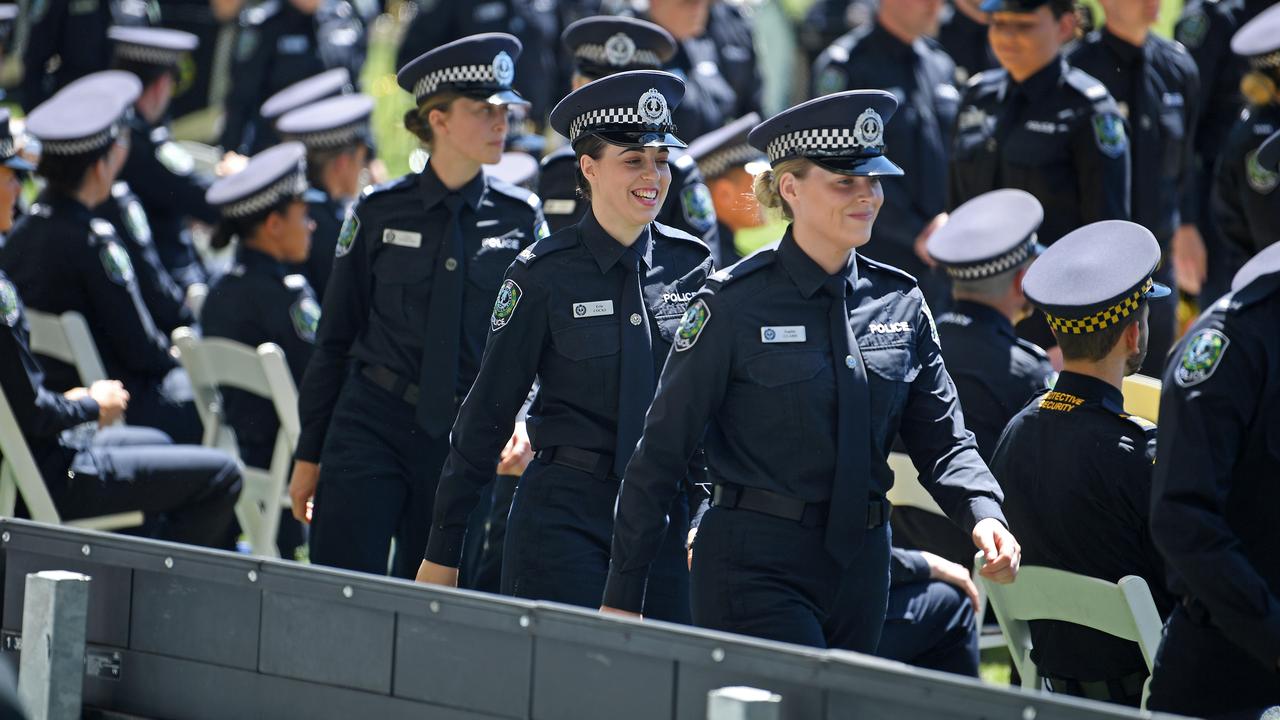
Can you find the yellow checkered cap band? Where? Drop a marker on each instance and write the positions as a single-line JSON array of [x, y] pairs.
[[1103, 319]]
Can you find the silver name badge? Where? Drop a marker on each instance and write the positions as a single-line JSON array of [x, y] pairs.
[[782, 334], [594, 308], [403, 238]]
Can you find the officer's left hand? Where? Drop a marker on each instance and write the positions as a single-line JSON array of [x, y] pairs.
[[955, 574], [1000, 548], [922, 240], [430, 573], [605, 609], [518, 453]]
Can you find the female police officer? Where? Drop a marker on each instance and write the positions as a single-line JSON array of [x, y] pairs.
[[592, 311], [799, 365], [417, 265]]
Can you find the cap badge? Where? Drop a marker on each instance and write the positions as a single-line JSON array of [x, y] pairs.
[[869, 130], [653, 107], [504, 69], [619, 50]]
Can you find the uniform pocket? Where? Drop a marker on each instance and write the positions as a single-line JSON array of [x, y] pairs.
[[1174, 131], [891, 369], [783, 368], [585, 343], [402, 285]]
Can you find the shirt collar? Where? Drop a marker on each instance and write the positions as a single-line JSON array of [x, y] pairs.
[[808, 275], [1092, 390], [1125, 50], [434, 191], [1044, 82], [605, 249], [65, 204], [258, 260], [986, 315]]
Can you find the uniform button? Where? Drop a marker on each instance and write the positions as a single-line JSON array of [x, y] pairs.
[[849, 362], [636, 319], [1146, 122], [991, 145], [450, 264]]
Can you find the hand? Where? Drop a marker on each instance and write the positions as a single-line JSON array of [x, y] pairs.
[[922, 240], [948, 572], [430, 573], [606, 610], [1000, 548], [302, 489], [112, 400], [693, 533], [230, 164], [518, 453], [76, 393], [1190, 261]]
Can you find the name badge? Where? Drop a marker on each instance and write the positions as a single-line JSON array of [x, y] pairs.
[[782, 334], [594, 308], [403, 238], [559, 207]]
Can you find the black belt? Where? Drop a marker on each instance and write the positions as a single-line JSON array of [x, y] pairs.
[[391, 382], [738, 497], [1119, 690], [592, 463]]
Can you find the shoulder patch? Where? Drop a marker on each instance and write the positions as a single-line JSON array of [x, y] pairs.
[[1109, 133], [1201, 357], [505, 305], [305, 314], [692, 323], [10, 309], [698, 209], [136, 218], [1261, 180], [116, 263], [1192, 29], [347, 235]]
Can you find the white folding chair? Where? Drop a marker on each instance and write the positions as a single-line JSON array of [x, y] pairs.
[[20, 476], [66, 338], [1142, 397], [1123, 609], [215, 363], [196, 293]]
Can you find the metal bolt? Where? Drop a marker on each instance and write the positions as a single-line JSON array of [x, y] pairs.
[[253, 576], [636, 319], [5, 537], [347, 591], [1028, 713], [717, 655], [450, 264], [850, 362], [84, 550], [168, 563], [434, 606], [524, 621]]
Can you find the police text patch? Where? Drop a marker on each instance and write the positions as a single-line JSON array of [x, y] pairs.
[[505, 306], [1201, 357], [695, 319]]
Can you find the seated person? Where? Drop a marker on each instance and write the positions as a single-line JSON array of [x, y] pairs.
[[930, 617], [1075, 468]]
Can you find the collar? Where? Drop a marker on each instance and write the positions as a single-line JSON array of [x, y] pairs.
[[986, 315], [605, 249], [1125, 50], [434, 191], [890, 43], [1040, 85], [808, 276], [65, 205], [1091, 390], [261, 262]]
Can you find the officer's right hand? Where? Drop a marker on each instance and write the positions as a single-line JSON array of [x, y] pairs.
[[431, 573], [112, 400], [302, 487]]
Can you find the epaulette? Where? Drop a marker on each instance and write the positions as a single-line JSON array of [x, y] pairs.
[[260, 13], [888, 269], [295, 281], [43, 210], [1087, 85], [1255, 292], [684, 161], [757, 260], [678, 234], [312, 195], [401, 183], [102, 228], [515, 192], [565, 238], [985, 76], [1032, 348]]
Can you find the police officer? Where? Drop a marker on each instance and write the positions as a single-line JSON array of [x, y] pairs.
[[279, 43], [1156, 86], [66, 40], [929, 621], [1243, 202], [417, 265], [602, 46], [729, 165], [1214, 501], [315, 88], [733, 31], [591, 311], [710, 99], [337, 138], [261, 300], [894, 53], [962, 32], [158, 169], [985, 248], [62, 258], [14, 169], [806, 345], [1039, 125], [1205, 29], [1075, 468]]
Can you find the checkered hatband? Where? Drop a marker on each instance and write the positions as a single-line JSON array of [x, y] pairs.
[[1265, 62], [293, 184], [458, 74], [996, 265], [820, 142], [147, 54], [1104, 319], [333, 137], [599, 55], [612, 118], [81, 146], [717, 163]]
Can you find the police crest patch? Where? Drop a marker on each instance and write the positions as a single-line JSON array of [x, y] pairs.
[[1201, 357], [1193, 29], [8, 303], [115, 261], [695, 319], [699, 211], [1262, 180], [136, 218], [347, 235], [174, 157], [305, 315], [1108, 131], [505, 306]]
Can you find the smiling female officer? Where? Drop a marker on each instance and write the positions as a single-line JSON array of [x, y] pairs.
[[800, 365], [592, 311]]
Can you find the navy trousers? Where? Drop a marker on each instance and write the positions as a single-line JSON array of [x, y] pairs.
[[165, 404], [378, 475], [1200, 672], [559, 537], [187, 492], [930, 624], [772, 578]]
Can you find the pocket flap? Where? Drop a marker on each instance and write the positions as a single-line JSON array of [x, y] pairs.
[[587, 341], [781, 368]]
